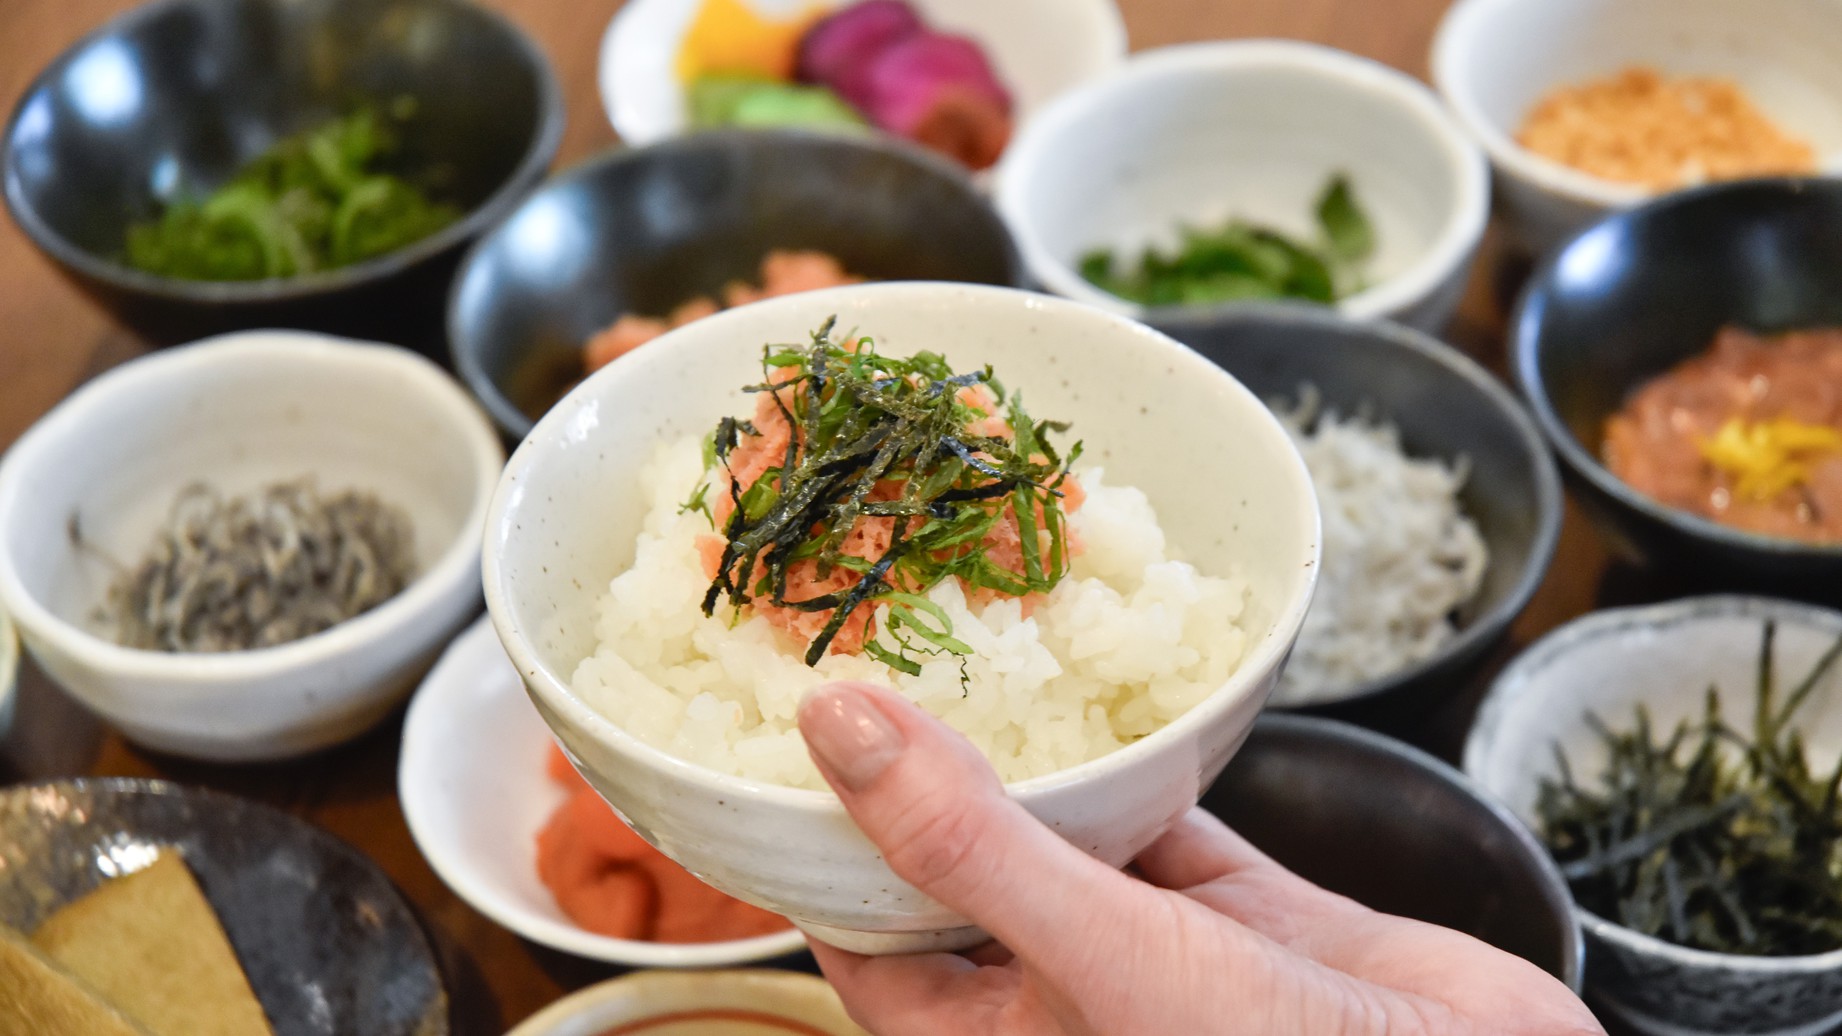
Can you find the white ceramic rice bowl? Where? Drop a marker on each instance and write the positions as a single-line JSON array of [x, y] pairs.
[[1228, 485]]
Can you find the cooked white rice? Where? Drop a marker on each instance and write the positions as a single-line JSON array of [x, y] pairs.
[[1128, 641], [1399, 555]]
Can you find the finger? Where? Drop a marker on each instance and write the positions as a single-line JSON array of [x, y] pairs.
[[932, 804], [921, 994], [1198, 849]]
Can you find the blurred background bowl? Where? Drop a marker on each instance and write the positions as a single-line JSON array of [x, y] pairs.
[[1494, 59], [1647, 288], [9, 673], [1446, 407], [1193, 134], [1308, 791], [647, 1001], [239, 413], [644, 229], [566, 519], [1038, 48], [171, 98], [477, 825], [1664, 657]]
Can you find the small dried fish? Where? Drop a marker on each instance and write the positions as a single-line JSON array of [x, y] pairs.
[[262, 570]]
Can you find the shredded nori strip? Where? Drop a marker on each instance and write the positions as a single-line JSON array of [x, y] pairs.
[[1708, 838], [860, 420]]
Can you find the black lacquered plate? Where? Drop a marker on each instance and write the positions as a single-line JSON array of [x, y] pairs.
[[329, 944]]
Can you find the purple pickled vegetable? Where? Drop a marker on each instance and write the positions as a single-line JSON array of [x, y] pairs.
[[908, 80], [839, 50]]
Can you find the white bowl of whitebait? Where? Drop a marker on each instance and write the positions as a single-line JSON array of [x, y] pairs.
[[248, 548]]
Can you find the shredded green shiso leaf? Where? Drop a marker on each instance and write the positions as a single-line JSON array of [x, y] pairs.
[[860, 420], [315, 201], [1708, 838], [1243, 260]]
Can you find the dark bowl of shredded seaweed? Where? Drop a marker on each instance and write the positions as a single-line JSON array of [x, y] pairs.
[[200, 166], [1683, 764]]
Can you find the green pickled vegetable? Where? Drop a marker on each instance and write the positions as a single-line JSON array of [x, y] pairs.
[[1243, 260], [315, 201], [752, 101]]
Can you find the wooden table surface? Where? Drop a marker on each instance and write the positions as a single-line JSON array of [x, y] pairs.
[[52, 339]]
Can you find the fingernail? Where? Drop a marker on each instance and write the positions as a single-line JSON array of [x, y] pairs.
[[850, 736]]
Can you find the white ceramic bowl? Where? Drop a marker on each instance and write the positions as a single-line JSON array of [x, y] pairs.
[[1494, 59], [566, 516], [1664, 657], [477, 825], [709, 1003], [1195, 134], [242, 411], [1039, 48]]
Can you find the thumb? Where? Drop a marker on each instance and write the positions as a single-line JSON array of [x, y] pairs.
[[931, 803]]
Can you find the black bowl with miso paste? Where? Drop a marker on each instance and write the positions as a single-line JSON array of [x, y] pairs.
[[169, 105]]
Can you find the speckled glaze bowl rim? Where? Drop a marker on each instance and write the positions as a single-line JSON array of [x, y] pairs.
[[466, 361], [91, 403], [1523, 672], [324, 841], [588, 1003], [1460, 230], [1388, 335], [1529, 848], [1525, 364], [555, 690], [546, 136], [1511, 158]]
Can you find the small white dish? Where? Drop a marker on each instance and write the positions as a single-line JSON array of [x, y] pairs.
[[477, 825], [1038, 48], [1494, 59], [1195, 134], [1664, 657], [242, 411], [707, 1003], [566, 520]]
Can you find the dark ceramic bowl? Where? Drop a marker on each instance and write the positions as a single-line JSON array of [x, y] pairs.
[[1445, 407], [1394, 829], [171, 98], [644, 229], [1643, 290], [329, 945]]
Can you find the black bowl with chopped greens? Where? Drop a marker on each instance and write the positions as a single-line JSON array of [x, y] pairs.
[[199, 166], [642, 230]]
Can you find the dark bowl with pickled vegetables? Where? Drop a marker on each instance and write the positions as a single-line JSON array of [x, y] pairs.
[[1445, 408], [1639, 293], [1707, 892], [642, 230], [1395, 829], [200, 166]]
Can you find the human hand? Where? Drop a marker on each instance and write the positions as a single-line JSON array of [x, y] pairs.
[[1215, 938]]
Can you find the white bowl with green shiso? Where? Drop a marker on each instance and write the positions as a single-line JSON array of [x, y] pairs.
[[182, 539], [1108, 708], [1703, 857], [1243, 143]]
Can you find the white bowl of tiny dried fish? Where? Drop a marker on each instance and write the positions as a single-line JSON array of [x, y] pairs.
[[1682, 884], [251, 547]]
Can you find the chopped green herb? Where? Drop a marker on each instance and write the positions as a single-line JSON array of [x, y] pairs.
[[1707, 837], [1245, 261], [315, 201], [877, 437], [699, 502]]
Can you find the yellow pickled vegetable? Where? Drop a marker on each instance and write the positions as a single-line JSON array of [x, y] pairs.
[[1766, 458], [728, 37]]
